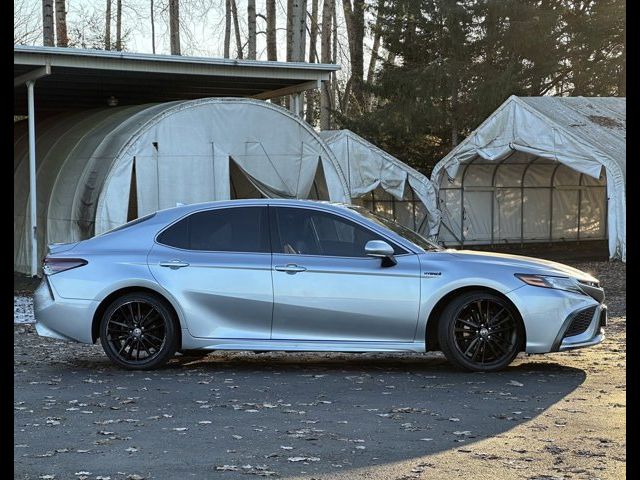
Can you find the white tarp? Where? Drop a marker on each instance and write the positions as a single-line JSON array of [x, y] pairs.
[[189, 145], [367, 168], [178, 152], [586, 135]]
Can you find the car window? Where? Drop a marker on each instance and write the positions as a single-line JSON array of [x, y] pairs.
[[311, 232], [238, 229]]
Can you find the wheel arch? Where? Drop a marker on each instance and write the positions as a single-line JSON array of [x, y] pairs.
[[106, 301], [431, 334]]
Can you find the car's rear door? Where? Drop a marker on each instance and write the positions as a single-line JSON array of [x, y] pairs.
[[326, 289], [217, 264]]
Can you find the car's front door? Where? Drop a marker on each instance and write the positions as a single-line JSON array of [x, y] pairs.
[[217, 264], [326, 289]]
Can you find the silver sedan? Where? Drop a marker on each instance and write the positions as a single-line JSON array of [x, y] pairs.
[[267, 275]]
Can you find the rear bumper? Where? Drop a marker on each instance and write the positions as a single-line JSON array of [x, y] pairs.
[[62, 318]]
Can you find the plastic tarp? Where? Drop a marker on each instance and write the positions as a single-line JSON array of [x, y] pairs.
[[369, 168], [177, 152], [584, 135]]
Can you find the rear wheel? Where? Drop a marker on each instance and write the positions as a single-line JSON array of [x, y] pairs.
[[138, 332], [480, 331]]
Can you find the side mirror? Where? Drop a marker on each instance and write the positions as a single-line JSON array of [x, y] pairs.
[[380, 249]]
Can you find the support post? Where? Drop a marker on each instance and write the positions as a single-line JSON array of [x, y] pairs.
[[33, 223]]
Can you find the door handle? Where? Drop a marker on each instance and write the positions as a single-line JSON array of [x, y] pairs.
[[290, 268], [174, 264]]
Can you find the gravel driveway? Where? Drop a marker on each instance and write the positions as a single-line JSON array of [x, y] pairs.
[[348, 416]]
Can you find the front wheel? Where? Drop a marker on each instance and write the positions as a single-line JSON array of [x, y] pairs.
[[138, 332], [479, 331]]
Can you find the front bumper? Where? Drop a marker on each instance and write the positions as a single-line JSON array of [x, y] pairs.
[[592, 335], [547, 314], [62, 318]]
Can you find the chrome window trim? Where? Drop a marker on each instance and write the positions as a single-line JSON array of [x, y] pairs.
[[411, 249]]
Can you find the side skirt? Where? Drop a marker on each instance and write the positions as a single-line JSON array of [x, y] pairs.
[[189, 343]]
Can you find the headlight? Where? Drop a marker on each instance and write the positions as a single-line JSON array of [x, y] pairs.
[[550, 281]]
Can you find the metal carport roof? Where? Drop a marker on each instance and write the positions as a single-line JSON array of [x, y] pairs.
[[70, 78]]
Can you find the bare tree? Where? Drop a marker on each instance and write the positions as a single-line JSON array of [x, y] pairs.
[[26, 22], [174, 27], [302, 29], [107, 27], [88, 26], [296, 30], [272, 46], [47, 23], [375, 49], [290, 15], [227, 28], [61, 24], [236, 28], [153, 30], [251, 14], [328, 8], [354, 17], [313, 57], [119, 25]]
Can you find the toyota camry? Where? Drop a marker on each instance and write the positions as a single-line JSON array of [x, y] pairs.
[[293, 275]]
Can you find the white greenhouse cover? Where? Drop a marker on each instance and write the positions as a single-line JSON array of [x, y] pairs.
[[367, 167], [178, 152], [585, 134]]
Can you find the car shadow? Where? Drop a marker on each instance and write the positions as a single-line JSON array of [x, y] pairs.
[[400, 407]]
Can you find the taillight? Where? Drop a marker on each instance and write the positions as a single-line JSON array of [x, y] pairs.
[[53, 265]]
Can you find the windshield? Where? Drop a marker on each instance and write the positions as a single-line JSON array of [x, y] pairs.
[[395, 227]]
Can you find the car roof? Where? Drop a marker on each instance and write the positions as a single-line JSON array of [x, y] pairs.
[[253, 201]]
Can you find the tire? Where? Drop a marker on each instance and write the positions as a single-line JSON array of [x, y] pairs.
[[139, 332], [479, 331]]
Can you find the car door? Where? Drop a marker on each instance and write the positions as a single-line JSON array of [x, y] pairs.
[[325, 288], [217, 264]]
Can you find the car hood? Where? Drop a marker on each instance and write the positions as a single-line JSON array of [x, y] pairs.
[[522, 264]]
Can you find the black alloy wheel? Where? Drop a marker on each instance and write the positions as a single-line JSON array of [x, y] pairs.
[[138, 332], [480, 331]]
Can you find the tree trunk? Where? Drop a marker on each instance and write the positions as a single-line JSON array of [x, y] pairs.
[[328, 7], [290, 22], [119, 25], [313, 57], [251, 13], [376, 42], [227, 28], [454, 114], [334, 56], [61, 24], [296, 30], [153, 31], [354, 17], [174, 26], [272, 46], [107, 26], [236, 27], [302, 29], [47, 23]]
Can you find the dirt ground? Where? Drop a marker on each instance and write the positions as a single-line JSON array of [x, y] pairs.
[[338, 416]]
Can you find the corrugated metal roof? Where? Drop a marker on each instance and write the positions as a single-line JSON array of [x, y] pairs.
[[597, 121], [70, 78]]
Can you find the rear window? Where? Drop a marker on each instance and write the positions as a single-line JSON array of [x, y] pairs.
[[238, 229]]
